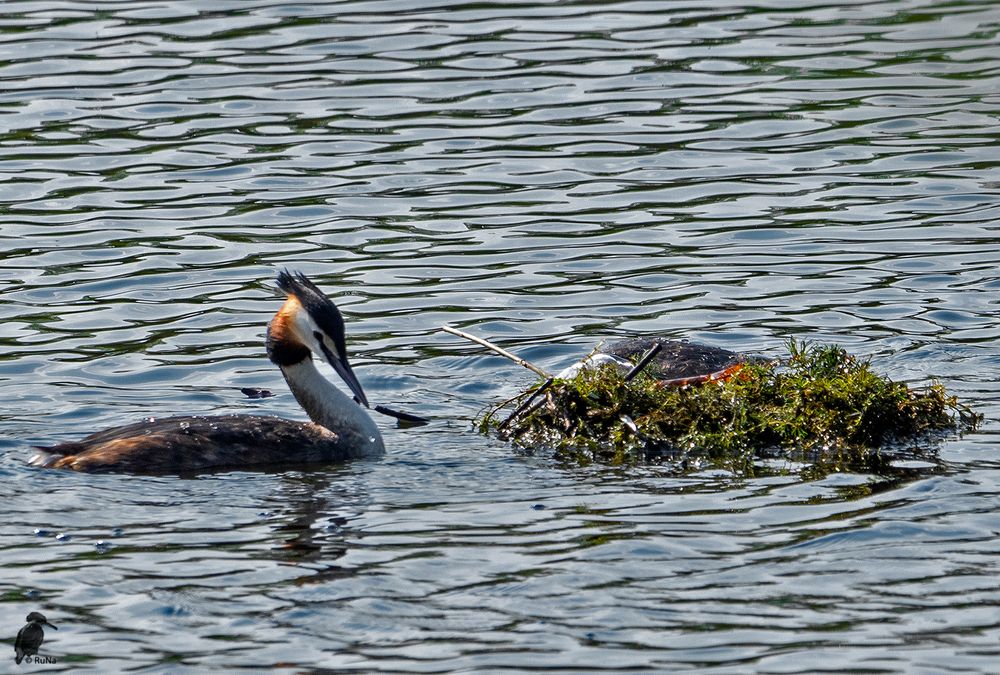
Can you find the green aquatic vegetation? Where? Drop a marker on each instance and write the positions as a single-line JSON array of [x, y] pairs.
[[820, 407]]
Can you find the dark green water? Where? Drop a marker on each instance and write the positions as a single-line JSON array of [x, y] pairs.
[[545, 175]]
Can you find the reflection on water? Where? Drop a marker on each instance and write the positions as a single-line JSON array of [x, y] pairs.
[[547, 175]]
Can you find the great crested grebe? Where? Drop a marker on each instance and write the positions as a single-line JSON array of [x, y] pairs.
[[308, 323], [674, 363]]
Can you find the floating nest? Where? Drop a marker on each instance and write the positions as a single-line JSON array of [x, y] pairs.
[[820, 408]]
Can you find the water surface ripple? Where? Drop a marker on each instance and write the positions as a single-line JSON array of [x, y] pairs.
[[545, 174]]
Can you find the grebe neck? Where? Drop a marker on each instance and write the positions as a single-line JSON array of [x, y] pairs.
[[331, 408]]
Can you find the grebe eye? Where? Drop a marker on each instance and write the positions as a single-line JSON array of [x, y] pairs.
[[322, 345]]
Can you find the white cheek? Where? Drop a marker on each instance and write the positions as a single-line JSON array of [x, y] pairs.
[[303, 329]]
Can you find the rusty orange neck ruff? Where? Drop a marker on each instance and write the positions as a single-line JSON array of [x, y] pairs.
[[284, 348]]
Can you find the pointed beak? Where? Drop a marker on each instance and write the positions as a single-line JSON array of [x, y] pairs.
[[343, 369], [50, 625]]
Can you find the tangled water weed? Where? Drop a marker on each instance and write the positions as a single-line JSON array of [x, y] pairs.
[[820, 408]]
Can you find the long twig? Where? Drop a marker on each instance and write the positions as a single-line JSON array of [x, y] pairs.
[[499, 350]]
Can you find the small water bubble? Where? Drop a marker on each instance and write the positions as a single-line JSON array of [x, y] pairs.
[[331, 527], [32, 594], [264, 514], [538, 507], [39, 532], [117, 532], [102, 546], [62, 536]]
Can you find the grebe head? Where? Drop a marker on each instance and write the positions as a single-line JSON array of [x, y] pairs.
[[307, 323]]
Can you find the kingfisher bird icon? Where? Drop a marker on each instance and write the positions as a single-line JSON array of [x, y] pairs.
[[30, 637]]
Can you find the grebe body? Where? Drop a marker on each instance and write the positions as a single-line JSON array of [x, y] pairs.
[[676, 363], [308, 323]]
